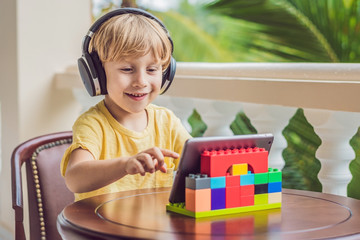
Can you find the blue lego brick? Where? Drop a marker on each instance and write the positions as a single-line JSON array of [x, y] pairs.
[[275, 187], [197, 181], [248, 179], [217, 198], [217, 182]]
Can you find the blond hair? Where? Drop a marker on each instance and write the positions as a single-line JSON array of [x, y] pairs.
[[131, 35]]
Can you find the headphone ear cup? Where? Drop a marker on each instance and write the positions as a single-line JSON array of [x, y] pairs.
[[168, 76], [87, 73], [100, 72]]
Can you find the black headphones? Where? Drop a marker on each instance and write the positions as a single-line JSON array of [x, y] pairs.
[[91, 70]]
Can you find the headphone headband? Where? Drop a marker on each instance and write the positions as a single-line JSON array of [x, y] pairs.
[[90, 66], [96, 25]]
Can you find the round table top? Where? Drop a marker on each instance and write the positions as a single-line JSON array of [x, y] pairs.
[[142, 214]]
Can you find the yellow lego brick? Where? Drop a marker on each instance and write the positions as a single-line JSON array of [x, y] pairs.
[[239, 169], [260, 199]]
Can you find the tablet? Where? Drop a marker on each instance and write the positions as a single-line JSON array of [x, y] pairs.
[[190, 157]]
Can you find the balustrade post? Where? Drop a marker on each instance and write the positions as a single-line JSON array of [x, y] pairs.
[[218, 116], [271, 119], [335, 153], [182, 107]]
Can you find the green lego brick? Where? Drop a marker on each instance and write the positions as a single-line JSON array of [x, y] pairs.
[[260, 199], [275, 175], [261, 178], [180, 209]]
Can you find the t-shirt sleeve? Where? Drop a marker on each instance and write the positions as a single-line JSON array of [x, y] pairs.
[[87, 134]]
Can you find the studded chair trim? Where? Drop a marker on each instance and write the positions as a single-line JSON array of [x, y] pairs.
[[37, 181]]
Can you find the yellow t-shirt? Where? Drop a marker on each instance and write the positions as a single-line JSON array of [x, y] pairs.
[[98, 132]]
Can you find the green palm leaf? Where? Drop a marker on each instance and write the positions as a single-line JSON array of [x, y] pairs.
[[191, 42], [299, 30]]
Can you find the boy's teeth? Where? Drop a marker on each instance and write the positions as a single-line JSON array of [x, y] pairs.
[[137, 95]]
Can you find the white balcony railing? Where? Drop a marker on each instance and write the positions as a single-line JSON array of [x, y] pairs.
[[269, 94]]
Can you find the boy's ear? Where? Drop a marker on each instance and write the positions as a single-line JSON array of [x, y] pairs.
[[92, 73]]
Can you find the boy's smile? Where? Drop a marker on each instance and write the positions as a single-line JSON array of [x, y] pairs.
[[132, 84]]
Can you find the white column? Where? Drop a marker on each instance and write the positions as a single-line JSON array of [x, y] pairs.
[[271, 119], [182, 107], [335, 153], [218, 116]]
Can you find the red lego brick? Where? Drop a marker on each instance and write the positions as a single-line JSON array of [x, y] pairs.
[[232, 197], [216, 163], [232, 181], [247, 190], [247, 200]]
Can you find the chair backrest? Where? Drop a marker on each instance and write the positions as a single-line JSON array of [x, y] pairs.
[[47, 192]]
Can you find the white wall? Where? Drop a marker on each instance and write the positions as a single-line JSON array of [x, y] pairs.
[[9, 107], [38, 39], [50, 34]]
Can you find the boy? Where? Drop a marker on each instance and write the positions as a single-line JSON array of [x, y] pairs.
[[122, 142]]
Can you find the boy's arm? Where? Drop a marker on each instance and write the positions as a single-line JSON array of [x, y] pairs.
[[85, 174]]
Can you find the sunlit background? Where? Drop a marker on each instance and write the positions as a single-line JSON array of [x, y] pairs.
[[264, 31], [41, 91]]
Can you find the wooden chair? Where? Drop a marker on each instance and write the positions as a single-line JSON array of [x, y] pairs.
[[47, 192]]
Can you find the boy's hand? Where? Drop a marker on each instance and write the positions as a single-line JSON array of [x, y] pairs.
[[149, 160]]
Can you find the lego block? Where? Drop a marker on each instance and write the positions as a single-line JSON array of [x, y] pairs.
[[260, 199], [248, 179], [216, 163], [275, 175], [218, 198], [274, 187], [247, 190], [180, 209], [198, 200], [232, 197], [261, 178], [261, 188], [274, 197], [197, 181], [239, 169], [247, 200], [217, 182], [232, 181]]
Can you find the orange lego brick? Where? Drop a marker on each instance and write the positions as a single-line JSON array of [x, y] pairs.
[[198, 200]]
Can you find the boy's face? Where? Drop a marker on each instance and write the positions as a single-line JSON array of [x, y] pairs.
[[132, 83]]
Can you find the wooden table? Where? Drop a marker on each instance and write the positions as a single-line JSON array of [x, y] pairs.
[[141, 214]]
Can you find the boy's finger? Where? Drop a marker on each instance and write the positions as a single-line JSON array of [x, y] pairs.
[[168, 153], [139, 168], [162, 168], [156, 154], [147, 162]]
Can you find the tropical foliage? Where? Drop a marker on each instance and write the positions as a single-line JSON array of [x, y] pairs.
[[287, 31], [302, 30], [312, 31]]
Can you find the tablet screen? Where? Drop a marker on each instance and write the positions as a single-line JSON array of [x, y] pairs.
[[191, 154]]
